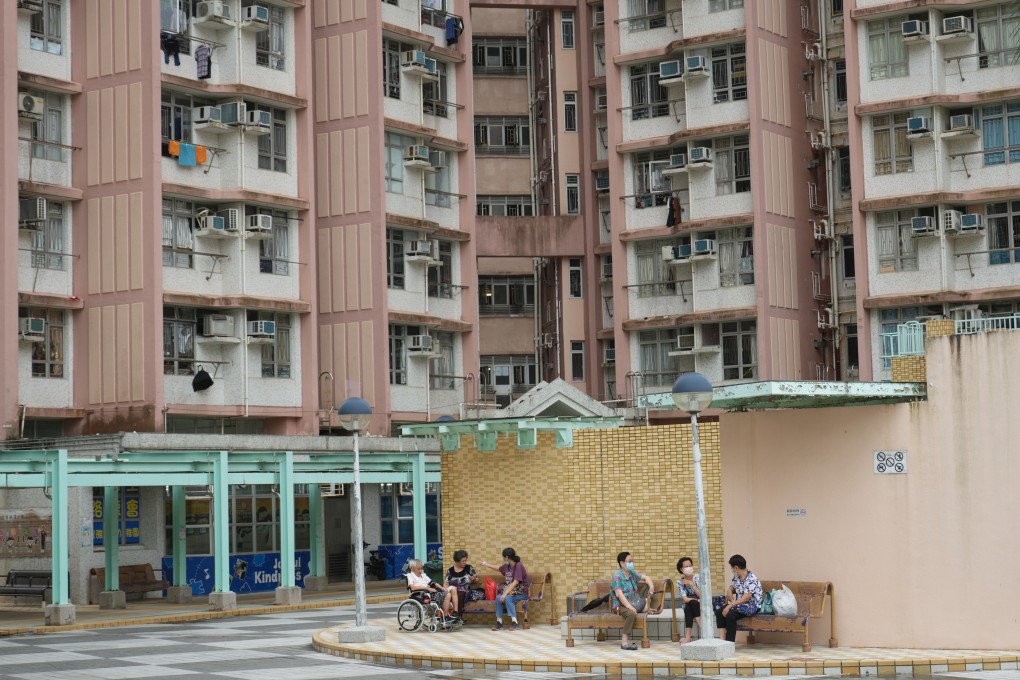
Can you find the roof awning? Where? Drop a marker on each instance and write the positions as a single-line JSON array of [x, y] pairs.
[[799, 394], [486, 432]]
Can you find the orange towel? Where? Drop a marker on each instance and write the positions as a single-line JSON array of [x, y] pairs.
[[174, 148], [200, 154]]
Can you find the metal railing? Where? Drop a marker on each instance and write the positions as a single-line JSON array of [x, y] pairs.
[[908, 338]]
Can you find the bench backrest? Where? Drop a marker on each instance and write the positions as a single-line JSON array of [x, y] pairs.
[[25, 577], [538, 580], [810, 595], [127, 573], [600, 588]]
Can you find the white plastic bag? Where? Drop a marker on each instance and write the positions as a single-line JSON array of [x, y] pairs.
[[784, 602]]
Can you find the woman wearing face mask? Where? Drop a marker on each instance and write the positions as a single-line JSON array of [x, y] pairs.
[[743, 597], [627, 601], [690, 593], [515, 587]]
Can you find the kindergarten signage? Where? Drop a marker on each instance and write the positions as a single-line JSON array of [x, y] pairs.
[[128, 514], [249, 573]]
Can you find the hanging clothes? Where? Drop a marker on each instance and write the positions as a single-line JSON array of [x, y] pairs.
[[673, 217], [170, 44], [187, 157], [173, 147], [454, 27], [203, 62], [201, 154]]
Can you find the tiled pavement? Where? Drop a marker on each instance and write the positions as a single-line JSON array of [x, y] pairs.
[[541, 649]]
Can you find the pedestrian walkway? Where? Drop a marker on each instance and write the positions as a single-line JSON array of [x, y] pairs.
[[540, 648], [20, 619]]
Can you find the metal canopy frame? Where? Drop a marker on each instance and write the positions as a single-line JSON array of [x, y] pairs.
[[56, 471], [486, 432]]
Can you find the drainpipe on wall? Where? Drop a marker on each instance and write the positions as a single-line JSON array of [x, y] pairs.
[[536, 264], [244, 227], [559, 320], [830, 194], [554, 197], [532, 101]]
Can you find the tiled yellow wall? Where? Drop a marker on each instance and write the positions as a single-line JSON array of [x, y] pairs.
[[570, 511], [909, 369], [936, 327]]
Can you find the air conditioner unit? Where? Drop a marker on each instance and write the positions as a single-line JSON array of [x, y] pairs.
[[218, 326], [233, 113], [610, 356], [601, 102], [33, 329], [31, 213], [259, 225], [231, 219], [821, 230], [914, 29], [437, 159], [258, 122], [254, 18], [813, 51], [971, 223], [599, 17], [923, 226], [607, 269], [211, 223], [678, 161], [682, 252], [418, 251], [951, 25], [419, 344], [670, 70], [817, 140], [918, 125], [417, 156], [668, 254], [963, 122], [261, 330], [685, 343], [413, 58], [30, 106], [215, 14], [824, 318], [602, 183], [700, 156], [696, 66], [951, 221], [208, 118], [704, 247], [331, 490]]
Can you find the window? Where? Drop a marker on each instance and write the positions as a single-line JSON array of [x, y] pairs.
[[434, 94], [395, 258], [1000, 132], [255, 515], [897, 249], [502, 136], [510, 374], [273, 147], [193, 425], [890, 319], [646, 14], [48, 355], [837, 8], [892, 150], [275, 354], [887, 53], [506, 295], [444, 367], [655, 276], [739, 350], [577, 360], [843, 169], [440, 279], [392, 51], [998, 29], [846, 250], [395, 147], [269, 43], [573, 184], [175, 116], [173, 16], [48, 242], [723, 5], [736, 256], [274, 252], [1003, 232], [398, 352], [396, 514], [567, 28], [178, 235], [732, 165], [648, 99], [654, 347], [504, 205], [500, 56], [46, 28], [651, 187], [574, 277], [853, 359], [49, 131], [570, 111], [178, 340], [840, 72], [729, 73]]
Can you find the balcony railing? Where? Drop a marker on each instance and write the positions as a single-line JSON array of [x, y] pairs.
[[908, 338]]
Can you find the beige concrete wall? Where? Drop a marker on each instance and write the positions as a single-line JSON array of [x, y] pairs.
[[517, 266], [574, 509], [502, 175], [501, 96], [507, 335], [490, 21], [922, 559]]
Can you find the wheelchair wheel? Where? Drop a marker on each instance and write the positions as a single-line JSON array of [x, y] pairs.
[[433, 627], [410, 615]]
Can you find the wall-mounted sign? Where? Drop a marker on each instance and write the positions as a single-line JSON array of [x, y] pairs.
[[890, 462], [128, 512], [796, 512], [26, 533]]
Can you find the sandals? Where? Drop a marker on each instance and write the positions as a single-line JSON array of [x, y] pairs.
[[629, 646]]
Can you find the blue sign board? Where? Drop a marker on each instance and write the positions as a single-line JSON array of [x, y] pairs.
[[398, 555], [128, 512], [249, 573]]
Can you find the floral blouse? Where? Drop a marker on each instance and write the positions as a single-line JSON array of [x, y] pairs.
[[750, 584], [688, 590]]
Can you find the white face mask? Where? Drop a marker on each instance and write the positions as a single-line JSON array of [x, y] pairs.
[[688, 571]]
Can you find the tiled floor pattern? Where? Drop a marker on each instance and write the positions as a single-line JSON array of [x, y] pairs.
[[541, 649]]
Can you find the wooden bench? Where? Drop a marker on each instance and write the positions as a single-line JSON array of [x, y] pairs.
[[810, 605], [540, 580], [28, 583], [602, 618], [134, 578]]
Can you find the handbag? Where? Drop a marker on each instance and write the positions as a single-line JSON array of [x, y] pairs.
[[636, 601], [718, 603], [490, 588], [766, 603]]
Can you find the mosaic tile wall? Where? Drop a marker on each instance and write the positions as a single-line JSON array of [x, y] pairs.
[[570, 511]]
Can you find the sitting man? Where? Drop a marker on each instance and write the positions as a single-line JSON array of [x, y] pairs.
[[627, 601], [417, 582]]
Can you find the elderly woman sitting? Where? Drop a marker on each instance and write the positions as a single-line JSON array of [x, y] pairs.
[[417, 582]]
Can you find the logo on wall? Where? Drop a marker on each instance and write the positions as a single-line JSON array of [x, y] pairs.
[[25, 533]]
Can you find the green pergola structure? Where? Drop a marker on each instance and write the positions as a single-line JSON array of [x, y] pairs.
[[486, 432], [57, 472]]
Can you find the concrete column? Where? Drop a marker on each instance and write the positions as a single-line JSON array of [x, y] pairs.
[[61, 612], [180, 592], [287, 593], [112, 597], [222, 599], [418, 480], [316, 579]]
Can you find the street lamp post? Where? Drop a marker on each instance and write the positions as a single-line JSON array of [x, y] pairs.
[[354, 415], [692, 392]]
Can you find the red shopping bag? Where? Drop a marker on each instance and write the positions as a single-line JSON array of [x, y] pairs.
[[490, 588]]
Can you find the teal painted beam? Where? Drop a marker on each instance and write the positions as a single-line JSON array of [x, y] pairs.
[[315, 520], [166, 479], [221, 537], [59, 498], [111, 536], [418, 503], [180, 539], [526, 439], [450, 442], [287, 550], [485, 440]]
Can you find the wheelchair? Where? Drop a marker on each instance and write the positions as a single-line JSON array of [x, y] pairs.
[[422, 610]]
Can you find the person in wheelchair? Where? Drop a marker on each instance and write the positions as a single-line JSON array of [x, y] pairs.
[[418, 584]]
